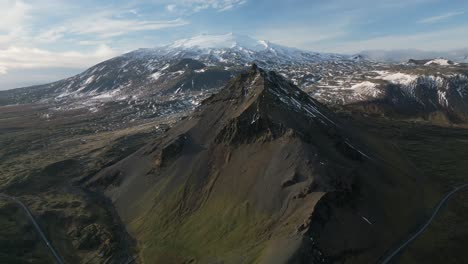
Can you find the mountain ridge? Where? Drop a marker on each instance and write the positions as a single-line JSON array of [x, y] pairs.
[[127, 69], [238, 180], [190, 70]]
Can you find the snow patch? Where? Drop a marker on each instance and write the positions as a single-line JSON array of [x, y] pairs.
[[226, 41], [366, 88], [396, 78], [107, 95], [441, 62], [367, 220], [155, 76], [89, 80]]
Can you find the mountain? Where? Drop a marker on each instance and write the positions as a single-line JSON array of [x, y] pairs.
[[399, 56], [171, 67], [261, 172], [175, 78], [238, 49], [437, 96], [439, 61]]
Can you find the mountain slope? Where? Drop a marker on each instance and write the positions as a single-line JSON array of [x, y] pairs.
[[189, 70], [147, 72], [435, 96], [262, 173], [460, 55]]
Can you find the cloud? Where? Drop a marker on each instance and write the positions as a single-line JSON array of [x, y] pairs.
[[334, 5], [33, 58], [308, 36], [21, 26], [171, 8], [13, 13], [441, 40], [301, 37], [220, 5], [45, 34], [3, 70], [111, 27], [52, 35], [90, 42], [231, 5], [194, 6], [134, 12], [435, 19]]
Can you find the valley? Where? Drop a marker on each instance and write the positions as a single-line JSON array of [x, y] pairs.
[[43, 162], [189, 153], [47, 160]]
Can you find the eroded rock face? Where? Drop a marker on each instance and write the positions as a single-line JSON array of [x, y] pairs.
[[242, 176], [422, 96], [172, 149]]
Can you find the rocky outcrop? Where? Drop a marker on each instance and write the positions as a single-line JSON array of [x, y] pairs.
[[240, 180]]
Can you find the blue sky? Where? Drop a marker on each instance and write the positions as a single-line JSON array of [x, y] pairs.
[[44, 40]]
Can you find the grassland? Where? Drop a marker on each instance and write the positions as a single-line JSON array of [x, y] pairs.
[[19, 242], [440, 153], [44, 155]]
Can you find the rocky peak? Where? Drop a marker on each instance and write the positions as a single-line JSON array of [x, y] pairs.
[[261, 105], [269, 93]]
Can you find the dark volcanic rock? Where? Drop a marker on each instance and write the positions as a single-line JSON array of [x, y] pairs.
[[240, 179]]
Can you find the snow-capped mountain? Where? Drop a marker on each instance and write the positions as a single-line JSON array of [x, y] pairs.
[[160, 69], [232, 48], [440, 61], [189, 70], [197, 65], [400, 56], [226, 41]]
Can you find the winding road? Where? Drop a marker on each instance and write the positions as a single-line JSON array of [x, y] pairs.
[[57, 257], [424, 227]]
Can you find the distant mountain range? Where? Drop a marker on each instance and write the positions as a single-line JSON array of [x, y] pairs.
[[396, 56], [187, 71], [226, 149], [159, 69]]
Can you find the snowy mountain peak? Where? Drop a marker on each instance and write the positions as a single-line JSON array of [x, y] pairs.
[[440, 61], [226, 41]]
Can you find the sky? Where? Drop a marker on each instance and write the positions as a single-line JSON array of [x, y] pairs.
[[46, 40]]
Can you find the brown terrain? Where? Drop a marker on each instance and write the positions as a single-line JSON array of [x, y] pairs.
[[259, 173], [263, 173]]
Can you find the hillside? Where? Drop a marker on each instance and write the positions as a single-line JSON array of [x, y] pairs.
[[173, 79], [262, 172]]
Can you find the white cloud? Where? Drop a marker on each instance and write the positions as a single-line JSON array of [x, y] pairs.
[[134, 12], [111, 27], [3, 70], [13, 13], [232, 5], [29, 40], [171, 8], [435, 19], [14, 17], [52, 35], [90, 42], [33, 58], [10, 36], [194, 6], [307, 36], [372, 4], [301, 37], [441, 40]]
